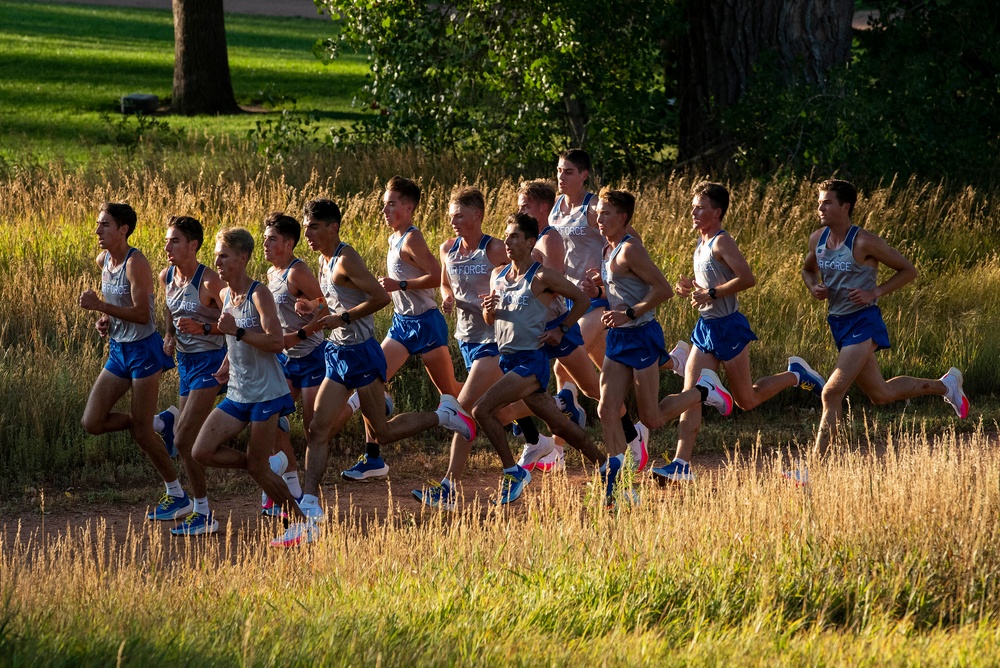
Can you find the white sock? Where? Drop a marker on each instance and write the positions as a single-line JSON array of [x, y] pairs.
[[278, 461], [309, 500], [680, 461], [175, 490], [292, 481], [512, 469], [158, 424], [621, 457], [354, 402], [446, 484], [201, 505], [798, 378]]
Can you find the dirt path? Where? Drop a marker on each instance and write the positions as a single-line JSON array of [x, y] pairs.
[[296, 8]]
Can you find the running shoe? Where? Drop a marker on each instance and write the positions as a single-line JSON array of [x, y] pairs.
[[278, 462], [718, 395], [196, 524], [680, 353], [171, 508], [798, 477], [169, 417], [955, 396], [554, 461], [313, 511], [512, 485], [436, 495], [366, 469], [390, 406], [297, 533], [268, 507], [283, 424], [533, 452], [571, 407], [809, 380], [456, 418], [673, 472], [609, 476], [640, 447]]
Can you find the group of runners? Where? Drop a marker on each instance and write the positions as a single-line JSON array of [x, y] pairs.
[[568, 284]]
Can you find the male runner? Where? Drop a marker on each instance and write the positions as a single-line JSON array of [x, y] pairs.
[[723, 332], [635, 287], [135, 353], [842, 269], [518, 308], [354, 361]]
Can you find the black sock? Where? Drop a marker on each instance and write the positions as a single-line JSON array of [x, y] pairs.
[[630, 433], [704, 393], [372, 450], [529, 429]]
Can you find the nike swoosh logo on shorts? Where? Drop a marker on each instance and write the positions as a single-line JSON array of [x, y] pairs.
[[736, 346], [266, 412], [208, 380], [319, 375], [647, 357], [147, 368]]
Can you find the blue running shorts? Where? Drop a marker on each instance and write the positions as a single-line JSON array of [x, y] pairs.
[[260, 411], [355, 366], [474, 351], [195, 370], [528, 363], [571, 340], [637, 347], [420, 333], [859, 327], [596, 303], [724, 337], [306, 371], [138, 359]]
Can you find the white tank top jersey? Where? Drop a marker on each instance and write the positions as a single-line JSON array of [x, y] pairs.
[[117, 291], [409, 301], [710, 273], [277, 283], [184, 301], [469, 276], [584, 243], [624, 290], [520, 316], [254, 375], [841, 273], [340, 298]]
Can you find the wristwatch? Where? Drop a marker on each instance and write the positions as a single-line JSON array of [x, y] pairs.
[[346, 317], [630, 312], [711, 293], [564, 329], [302, 334], [206, 328], [402, 286], [239, 333]]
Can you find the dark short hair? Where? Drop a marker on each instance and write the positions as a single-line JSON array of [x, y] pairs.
[[539, 190], [715, 192], [123, 214], [322, 210], [190, 227], [525, 223], [470, 197], [284, 225], [578, 157], [844, 191], [407, 189], [622, 200]]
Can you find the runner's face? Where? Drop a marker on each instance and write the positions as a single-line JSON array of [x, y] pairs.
[[109, 234], [465, 220], [570, 177], [228, 262], [704, 215], [275, 246], [317, 233], [179, 250], [831, 211], [395, 210], [537, 210], [609, 221], [518, 247]]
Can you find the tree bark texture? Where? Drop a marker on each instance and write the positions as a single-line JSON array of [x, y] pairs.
[[726, 40], [201, 61]]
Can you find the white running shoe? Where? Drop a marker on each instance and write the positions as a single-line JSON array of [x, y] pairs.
[[955, 396], [718, 395], [640, 447], [278, 462], [554, 461], [533, 452], [297, 533], [313, 511], [679, 355], [456, 418]]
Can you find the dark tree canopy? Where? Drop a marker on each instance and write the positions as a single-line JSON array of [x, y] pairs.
[[201, 61]]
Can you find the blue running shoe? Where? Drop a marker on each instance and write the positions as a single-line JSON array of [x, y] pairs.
[[673, 472], [572, 409], [512, 485], [809, 380], [366, 469], [390, 406], [171, 508], [436, 495], [169, 416], [196, 524], [516, 430], [283, 424], [609, 474]]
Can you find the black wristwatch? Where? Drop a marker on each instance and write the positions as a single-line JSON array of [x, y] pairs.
[[564, 329], [206, 328], [239, 333], [630, 312], [711, 293], [346, 317], [402, 286], [302, 334]]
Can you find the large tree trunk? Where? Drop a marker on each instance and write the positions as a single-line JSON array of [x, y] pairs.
[[201, 62], [724, 42]]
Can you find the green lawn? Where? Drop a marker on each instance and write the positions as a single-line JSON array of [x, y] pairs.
[[63, 66]]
